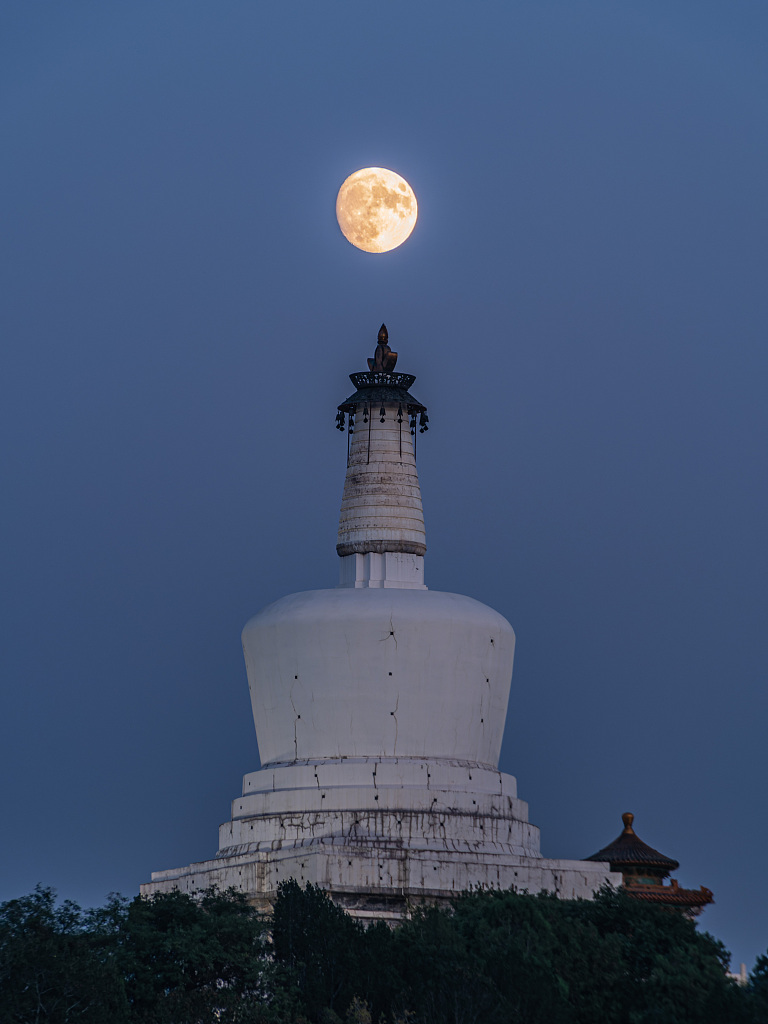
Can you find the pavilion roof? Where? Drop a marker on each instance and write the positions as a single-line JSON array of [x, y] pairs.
[[628, 850]]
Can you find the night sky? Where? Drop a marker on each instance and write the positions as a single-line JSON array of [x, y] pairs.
[[583, 302]]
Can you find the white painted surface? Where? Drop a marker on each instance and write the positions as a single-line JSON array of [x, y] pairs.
[[381, 505], [388, 569], [404, 876], [413, 803], [379, 673], [400, 830]]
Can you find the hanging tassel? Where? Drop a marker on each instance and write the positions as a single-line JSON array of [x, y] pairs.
[[383, 414]]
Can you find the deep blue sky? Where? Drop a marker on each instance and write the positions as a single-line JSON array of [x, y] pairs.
[[584, 304]]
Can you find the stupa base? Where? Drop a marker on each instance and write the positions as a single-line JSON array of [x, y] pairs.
[[425, 830], [381, 882]]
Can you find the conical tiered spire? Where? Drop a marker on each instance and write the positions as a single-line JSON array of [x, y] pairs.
[[381, 536]]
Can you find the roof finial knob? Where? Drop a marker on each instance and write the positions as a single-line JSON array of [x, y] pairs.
[[628, 818], [384, 358]]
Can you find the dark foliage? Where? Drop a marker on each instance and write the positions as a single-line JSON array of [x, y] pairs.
[[169, 959], [533, 959], [506, 958], [493, 958], [190, 960], [319, 944], [54, 965], [757, 993]]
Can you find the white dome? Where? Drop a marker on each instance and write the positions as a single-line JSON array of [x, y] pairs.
[[379, 673]]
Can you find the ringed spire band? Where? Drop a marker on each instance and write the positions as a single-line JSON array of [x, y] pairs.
[[381, 509]]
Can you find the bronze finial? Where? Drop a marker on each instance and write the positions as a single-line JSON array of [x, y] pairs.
[[384, 358], [628, 818]]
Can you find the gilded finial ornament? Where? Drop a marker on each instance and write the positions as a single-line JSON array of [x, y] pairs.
[[379, 386], [628, 818], [384, 358]]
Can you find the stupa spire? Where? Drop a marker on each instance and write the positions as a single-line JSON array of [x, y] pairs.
[[381, 538]]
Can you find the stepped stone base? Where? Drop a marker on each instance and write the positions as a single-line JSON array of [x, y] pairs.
[[382, 835]]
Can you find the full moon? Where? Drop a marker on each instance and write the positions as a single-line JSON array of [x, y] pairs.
[[376, 209]]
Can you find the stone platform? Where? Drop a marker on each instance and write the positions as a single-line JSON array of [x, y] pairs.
[[382, 835]]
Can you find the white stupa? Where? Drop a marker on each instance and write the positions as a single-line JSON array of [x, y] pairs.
[[379, 708]]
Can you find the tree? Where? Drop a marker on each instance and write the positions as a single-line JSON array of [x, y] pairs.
[[318, 945], [757, 992], [195, 959], [522, 959], [492, 957], [53, 967]]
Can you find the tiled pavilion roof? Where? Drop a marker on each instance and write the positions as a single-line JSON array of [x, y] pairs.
[[628, 850], [673, 896]]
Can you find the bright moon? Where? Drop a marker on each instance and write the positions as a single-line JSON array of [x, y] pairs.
[[376, 209]]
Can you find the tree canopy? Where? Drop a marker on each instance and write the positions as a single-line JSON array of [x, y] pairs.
[[493, 957]]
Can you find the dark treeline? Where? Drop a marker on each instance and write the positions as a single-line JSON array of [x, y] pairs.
[[494, 958]]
